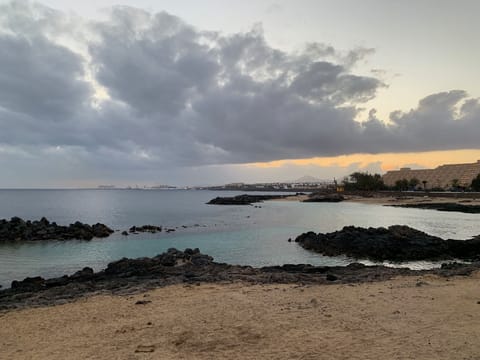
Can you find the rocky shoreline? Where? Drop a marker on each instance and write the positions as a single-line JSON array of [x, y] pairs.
[[128, 276], [397, 243]]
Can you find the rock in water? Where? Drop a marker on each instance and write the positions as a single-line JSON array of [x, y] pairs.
[[145, 228], [19, 230], [397, 243], [245, 199]]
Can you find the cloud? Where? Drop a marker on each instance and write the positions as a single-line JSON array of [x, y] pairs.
[[446, 120], [174, 95], [41, 79]]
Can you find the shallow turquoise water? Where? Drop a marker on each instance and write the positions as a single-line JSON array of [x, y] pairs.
[[234, 234]]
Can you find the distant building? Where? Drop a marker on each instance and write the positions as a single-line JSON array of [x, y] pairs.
[[163, 187], [106, 187], [235, 185], [441, 177]]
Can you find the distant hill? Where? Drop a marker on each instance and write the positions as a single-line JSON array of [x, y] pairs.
[[307, 179]]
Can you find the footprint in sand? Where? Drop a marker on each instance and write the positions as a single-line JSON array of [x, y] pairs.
[[145, 348]]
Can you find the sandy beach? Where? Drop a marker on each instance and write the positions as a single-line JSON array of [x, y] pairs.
[[424, 317]]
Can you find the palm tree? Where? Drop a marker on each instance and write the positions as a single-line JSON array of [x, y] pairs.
[[424, 182]]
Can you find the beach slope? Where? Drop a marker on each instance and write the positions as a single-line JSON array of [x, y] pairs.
[[421, 317]]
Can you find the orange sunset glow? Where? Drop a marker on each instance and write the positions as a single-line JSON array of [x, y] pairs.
[[389, 161]]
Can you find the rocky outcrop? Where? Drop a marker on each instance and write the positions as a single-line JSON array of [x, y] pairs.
[[245, 199], [128, 276], [397, 243], [469, 209], [325, 197], [148, 266], [17, 229]]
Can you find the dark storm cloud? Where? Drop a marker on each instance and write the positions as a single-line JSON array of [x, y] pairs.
[[181, 96]]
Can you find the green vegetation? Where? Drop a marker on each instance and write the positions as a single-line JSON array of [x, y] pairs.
[[413, 183], [476, 183], [401, 185], [364, 181]]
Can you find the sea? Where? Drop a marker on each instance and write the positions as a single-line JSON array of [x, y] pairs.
[[246, 235]]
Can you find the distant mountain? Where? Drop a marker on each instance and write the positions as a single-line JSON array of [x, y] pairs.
[[307, 179]]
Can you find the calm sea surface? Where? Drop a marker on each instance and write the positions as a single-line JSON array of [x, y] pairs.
[[235, 234]]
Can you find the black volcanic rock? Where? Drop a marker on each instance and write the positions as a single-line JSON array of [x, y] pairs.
[[147, 266], [16, 229], [29, 284], [145, 228], [244, 199], [397, 243]]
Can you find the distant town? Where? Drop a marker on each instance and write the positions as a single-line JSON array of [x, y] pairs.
[[306, 183]]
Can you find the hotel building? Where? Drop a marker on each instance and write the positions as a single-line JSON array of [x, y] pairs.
[[440, 177]]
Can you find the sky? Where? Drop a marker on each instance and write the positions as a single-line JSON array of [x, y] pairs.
[[210, 92]]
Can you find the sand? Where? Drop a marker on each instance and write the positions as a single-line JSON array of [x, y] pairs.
[[404, 318]]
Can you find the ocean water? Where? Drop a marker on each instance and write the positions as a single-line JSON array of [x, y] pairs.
[[244, 235]]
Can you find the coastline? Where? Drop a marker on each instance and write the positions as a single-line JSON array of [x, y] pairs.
[[420, 317], [379, 199]]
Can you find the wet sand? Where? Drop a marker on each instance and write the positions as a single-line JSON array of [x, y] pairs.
[[408, 317]]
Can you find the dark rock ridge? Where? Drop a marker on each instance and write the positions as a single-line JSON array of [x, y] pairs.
[[322, 197], [17, 229], [128, 276], [470, 209], [245, 199], [397, 243]]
